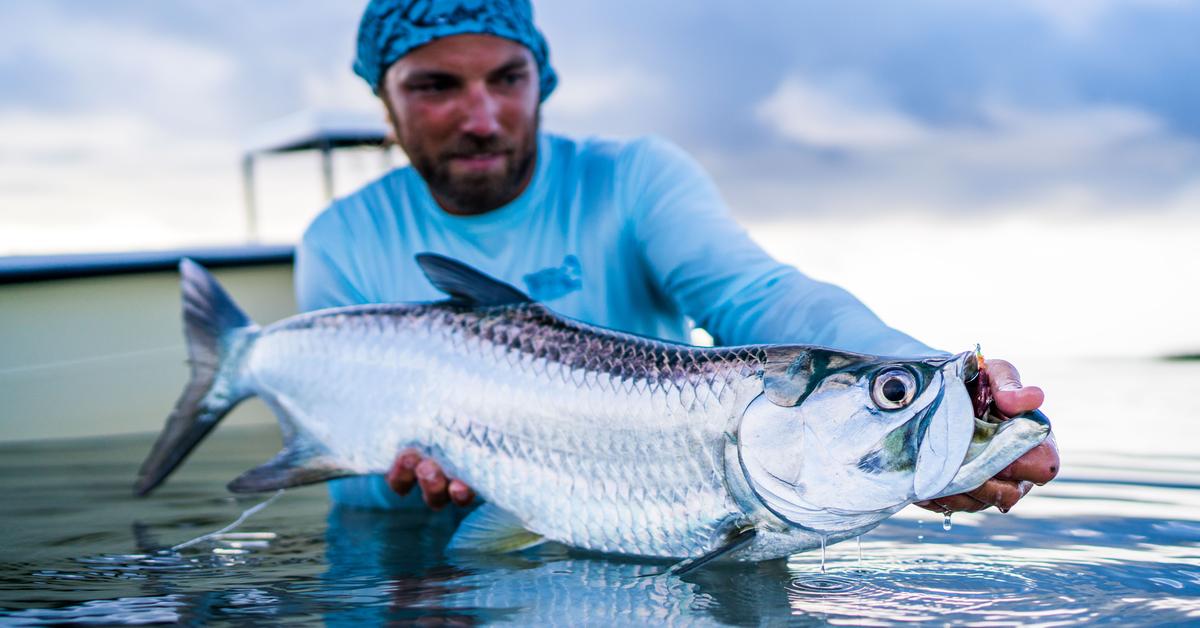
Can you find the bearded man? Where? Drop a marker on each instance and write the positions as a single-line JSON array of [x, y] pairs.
[[630, 235]]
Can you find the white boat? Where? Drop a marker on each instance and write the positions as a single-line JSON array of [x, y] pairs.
[[92, 344]]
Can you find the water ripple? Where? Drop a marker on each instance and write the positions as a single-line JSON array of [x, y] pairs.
[[1098, 551], [984, 583], [824, 585]]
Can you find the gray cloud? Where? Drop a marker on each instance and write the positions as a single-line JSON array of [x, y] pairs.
[[947, 106], [933, 105]]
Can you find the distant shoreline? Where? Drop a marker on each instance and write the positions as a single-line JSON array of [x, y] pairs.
[[1182, 357]]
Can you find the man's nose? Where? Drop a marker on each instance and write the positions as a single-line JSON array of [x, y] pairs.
[[482, 111]]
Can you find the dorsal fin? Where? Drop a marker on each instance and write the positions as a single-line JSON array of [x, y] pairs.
[[467, 285]]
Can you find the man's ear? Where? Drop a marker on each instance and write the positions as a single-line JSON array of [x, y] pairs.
[[389, 121]]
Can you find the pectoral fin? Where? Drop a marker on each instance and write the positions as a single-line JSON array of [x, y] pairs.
[[734, 541], [493, 530]]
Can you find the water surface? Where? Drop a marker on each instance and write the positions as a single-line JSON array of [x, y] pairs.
[[1116, 540]]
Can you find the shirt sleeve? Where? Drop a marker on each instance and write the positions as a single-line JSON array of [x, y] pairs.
[[702, 259]]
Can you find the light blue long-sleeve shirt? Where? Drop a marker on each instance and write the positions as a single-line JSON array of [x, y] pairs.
[[628, 235]]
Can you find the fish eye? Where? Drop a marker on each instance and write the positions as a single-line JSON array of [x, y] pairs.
[[893, 389]]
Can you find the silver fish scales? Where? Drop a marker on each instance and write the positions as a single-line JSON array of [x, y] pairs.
[[584, 435], [517, 401]]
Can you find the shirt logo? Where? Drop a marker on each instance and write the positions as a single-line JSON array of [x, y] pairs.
[[552, 283]]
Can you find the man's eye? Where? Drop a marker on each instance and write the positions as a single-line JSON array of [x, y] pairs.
[[431, 87], [513, 78]]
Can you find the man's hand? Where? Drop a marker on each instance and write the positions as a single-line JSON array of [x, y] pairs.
[[1038, 466], [410, 470]]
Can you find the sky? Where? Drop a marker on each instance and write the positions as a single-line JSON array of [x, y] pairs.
[[1023, 174]]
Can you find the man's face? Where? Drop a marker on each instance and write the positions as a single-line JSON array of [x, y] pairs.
[[465, 110]]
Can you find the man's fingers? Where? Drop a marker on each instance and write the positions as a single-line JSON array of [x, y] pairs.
[[1010, 396], [460, 493], [1016, 401], [953, 503], [1001, 494], [437, 490], [433, 484], [402, 476], [1003, 374], [1039, 465]]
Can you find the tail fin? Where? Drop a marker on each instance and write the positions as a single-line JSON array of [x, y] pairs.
[[218, 335]]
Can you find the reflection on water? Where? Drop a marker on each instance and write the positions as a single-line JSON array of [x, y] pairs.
[[371, 567], [1117, 540]]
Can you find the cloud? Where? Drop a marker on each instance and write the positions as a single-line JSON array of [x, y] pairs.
[[97, 64], [338, 90], [99, 181], [621, 100], [30, 136], [840, 117], [857, 120], [1081, 18], [797, 108], [851, 147], [1087, 139], [584, 94]]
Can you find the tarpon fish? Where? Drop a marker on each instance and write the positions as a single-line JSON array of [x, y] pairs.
[[587, 436]]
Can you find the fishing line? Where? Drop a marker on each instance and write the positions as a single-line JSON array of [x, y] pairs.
[[246, 514], [108, 357]]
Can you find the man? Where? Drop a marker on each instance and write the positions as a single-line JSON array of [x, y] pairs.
[[628, 235]]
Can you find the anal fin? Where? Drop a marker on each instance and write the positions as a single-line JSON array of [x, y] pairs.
[[303, 460], [492, 529]]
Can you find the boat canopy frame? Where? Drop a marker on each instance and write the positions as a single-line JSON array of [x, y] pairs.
[[320, 130]]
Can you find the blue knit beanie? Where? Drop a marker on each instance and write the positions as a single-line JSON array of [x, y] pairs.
[[391, 28]]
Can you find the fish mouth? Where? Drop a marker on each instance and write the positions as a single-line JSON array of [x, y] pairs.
[[996, 441]]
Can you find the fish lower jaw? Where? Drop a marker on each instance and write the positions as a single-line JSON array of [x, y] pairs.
[[996, 445], [988, 418]]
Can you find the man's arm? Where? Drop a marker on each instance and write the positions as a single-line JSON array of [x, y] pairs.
[[707, 263], [717, 275]]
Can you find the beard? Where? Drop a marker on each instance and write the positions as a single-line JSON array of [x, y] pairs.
[[478, 192]]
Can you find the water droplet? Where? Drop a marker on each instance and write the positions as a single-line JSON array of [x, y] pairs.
[[946, 522], [920, 537], [859, 539], [822, 553]]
